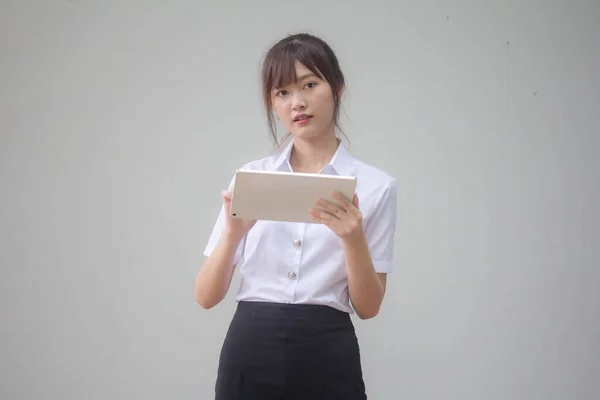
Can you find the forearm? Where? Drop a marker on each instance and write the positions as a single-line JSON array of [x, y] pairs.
[[365, 288], [214, 277]]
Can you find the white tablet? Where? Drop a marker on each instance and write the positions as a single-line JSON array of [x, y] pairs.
[[284, 196]]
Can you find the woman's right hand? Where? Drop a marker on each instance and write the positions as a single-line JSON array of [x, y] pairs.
[[235, 228]]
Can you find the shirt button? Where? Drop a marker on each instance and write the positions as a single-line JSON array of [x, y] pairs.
[[292, 275], [297, 242]]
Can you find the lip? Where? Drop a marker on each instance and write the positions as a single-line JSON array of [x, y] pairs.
[[302, 119]]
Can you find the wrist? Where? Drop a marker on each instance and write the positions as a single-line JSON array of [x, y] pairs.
[[232, 238], [355, 238]]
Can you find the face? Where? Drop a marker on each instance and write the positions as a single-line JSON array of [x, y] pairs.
[[305, 107]]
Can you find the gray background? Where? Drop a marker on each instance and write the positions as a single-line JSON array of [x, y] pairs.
[[121, 121]]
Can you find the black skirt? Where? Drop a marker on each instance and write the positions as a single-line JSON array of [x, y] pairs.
[[290, 352]]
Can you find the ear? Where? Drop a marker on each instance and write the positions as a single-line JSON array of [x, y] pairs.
[[340, 92]]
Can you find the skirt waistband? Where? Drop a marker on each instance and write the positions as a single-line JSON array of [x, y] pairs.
[[293, 313]]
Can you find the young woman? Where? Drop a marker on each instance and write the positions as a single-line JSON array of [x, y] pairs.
[[291, 336]]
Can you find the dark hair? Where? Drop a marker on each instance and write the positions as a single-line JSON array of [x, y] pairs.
[[279, 70]]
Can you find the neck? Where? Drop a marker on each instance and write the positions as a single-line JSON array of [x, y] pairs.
[[311, 156]]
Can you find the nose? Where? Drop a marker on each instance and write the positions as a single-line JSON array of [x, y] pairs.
[[298, 101]]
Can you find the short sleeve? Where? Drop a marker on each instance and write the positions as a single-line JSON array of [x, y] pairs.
[[380, 229], [217, 230]]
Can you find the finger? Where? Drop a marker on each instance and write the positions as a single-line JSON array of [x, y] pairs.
[[323, 216], [349, 206], [341, 199], [316, 216], [330, 208], [317, 219]]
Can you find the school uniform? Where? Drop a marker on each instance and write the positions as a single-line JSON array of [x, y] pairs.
[[291, 336]]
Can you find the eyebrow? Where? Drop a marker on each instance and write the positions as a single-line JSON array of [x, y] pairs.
[[307, 75]]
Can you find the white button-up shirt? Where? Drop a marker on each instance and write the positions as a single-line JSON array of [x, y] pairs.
[[302, 263]]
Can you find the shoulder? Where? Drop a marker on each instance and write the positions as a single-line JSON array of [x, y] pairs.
[[377, 199], [373, 180]]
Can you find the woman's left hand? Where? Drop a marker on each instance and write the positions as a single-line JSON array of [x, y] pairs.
[[345, 220]]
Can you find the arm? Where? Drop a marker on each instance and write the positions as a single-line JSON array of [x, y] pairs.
[[224, 250], [214, 278], [365, 286], [368, 251]]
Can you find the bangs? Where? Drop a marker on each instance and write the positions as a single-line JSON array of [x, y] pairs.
[[280, 69]]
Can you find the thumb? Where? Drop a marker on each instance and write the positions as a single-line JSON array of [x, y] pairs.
[[226, 194], [355, 200]]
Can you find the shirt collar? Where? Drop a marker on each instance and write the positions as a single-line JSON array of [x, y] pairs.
[[341, 163]]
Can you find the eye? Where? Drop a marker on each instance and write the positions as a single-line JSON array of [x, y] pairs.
[[311, 85], [281, 93]]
